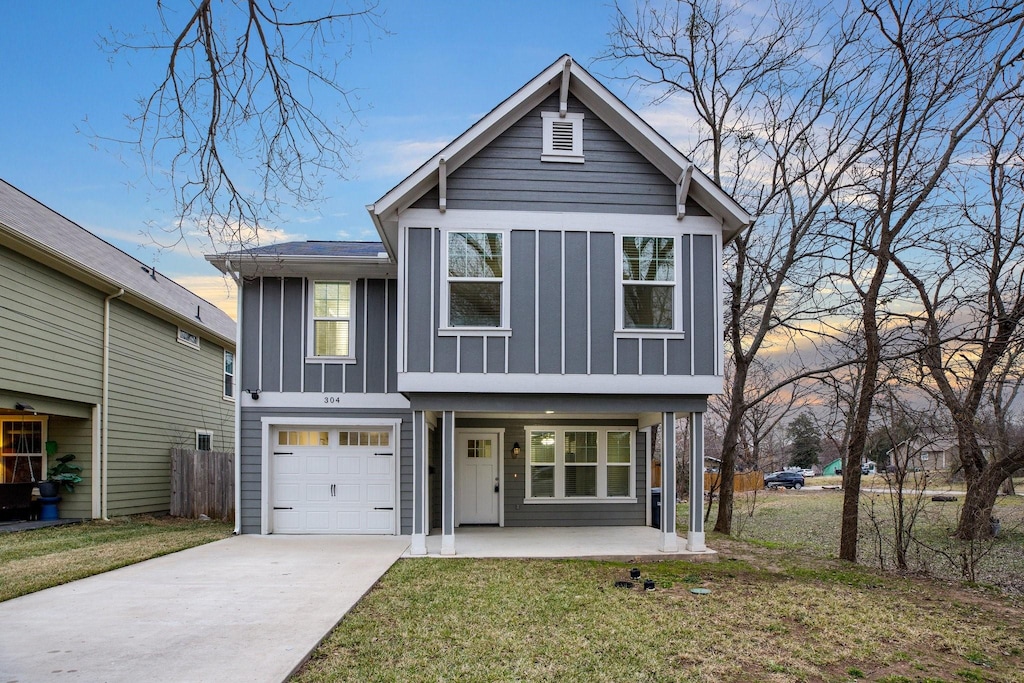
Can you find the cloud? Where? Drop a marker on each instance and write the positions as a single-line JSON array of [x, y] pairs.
[[219, 290], [399, 158]]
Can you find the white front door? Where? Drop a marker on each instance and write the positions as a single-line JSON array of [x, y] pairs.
[[476, 480]]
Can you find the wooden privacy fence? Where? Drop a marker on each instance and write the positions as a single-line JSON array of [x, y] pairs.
[[742, 482], [202, 483]]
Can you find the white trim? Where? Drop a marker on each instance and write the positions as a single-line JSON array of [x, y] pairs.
[[271, 422], [204, 432], [326, 400], [312, 318], [574, 384], [97, 412], [550, 119], [401, 336], [234, 384], [600, 467], [187, 338], [447, 280], [481, 220], [474, 332]]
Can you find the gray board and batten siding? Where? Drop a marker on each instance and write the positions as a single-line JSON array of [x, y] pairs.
[[508, 175], [578, 333], [275, 343], [251, 451]]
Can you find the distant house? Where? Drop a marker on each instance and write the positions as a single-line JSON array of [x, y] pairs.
[[106, 357], [932, 451], [546, 289]]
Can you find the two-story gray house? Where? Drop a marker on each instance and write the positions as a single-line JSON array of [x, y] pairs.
[[546, 289]]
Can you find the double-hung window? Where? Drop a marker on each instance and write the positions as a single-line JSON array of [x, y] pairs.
[[332, 319], [229, 374], [580, 463], [648, 282], [476, 279]]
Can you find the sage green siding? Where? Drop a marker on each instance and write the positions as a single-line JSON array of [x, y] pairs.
[[161, 391]]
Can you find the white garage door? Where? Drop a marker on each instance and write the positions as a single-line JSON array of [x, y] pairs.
[[333, 481]]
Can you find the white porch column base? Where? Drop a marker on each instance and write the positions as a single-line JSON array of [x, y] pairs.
[[419, 544], [669, 543], [695, 542], [448, 545]]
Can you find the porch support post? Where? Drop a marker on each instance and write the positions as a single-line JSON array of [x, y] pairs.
[[448, 484], [695, 534], [419, 484], [669, 543]]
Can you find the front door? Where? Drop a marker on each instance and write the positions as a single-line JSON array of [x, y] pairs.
[[476, 481]]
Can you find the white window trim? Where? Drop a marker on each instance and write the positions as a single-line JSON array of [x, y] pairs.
[[676, 331], [446, 328], [549, 153], [204, 432], [41, 475], [602, 465], [234, 384], [187, 338], [311, 327]]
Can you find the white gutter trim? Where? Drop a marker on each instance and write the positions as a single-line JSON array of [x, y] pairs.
[[238, 396], [105, 410]]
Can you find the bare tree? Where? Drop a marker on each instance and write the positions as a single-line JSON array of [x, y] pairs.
[[976, 301], [770, 94], [937, 69], [244, 121]]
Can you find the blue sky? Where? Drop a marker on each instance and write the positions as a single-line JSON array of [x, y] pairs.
[[443, 66]]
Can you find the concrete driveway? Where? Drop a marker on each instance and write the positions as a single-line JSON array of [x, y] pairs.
[[248, 608]]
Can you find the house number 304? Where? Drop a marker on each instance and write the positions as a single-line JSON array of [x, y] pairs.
[[332, 399]]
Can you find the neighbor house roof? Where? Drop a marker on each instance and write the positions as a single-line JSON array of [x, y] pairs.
[[312, 258], [34, 229], [599, 100]]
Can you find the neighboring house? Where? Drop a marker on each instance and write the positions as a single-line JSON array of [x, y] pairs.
[[547, 288], [111, 360], [931, 451], [833, 468]]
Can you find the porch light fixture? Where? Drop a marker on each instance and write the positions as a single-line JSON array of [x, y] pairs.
[[254, 393], [515, 450]]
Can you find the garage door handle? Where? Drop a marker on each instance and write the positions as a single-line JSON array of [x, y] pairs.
[[383, 508], [281, 453], [383, 453], [277, 508], [333, 489]]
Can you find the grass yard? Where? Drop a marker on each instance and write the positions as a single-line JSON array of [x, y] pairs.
[[809, 522], [543, 620], [41, 558]]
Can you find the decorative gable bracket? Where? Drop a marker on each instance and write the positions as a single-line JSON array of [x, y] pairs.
[[682, 190]]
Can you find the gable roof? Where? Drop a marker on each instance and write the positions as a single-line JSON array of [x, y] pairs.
[[314, 257], [40, 232], [599, 100]]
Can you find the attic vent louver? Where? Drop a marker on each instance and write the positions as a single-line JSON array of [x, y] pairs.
[[563, 137]]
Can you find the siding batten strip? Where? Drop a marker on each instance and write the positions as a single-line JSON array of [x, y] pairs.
[[589, 305], [562, 279], [693, 368], [280, 343], [434, 275], [536, 303], [259, 364], [366, 323], [302, 339]]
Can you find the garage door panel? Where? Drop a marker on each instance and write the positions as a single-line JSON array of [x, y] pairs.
[[334, 489]]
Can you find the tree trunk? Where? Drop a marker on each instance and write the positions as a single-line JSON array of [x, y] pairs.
[[730, 442], [976, 516]]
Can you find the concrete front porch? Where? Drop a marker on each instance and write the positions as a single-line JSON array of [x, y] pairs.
[[614, 543]]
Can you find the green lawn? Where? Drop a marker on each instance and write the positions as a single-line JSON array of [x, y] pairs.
[[41, 558], [536, 620]]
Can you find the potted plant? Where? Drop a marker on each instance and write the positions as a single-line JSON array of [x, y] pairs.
[[61, 473]]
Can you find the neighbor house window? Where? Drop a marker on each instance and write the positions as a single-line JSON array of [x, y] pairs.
[[229, 374], [204, 440], [648, 282], [187, 338], [572, 463], [332, 319], [22, 450], [476, 284]]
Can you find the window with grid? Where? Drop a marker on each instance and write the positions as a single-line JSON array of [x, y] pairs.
[[229, 374], [648, 282], [475, 279], [571, 463], [332, 319]]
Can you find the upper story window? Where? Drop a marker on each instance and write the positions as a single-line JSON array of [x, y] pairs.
[[229, 374], [187, 338], [563, 137], [476, 279], [332, 319], [648, 282]]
